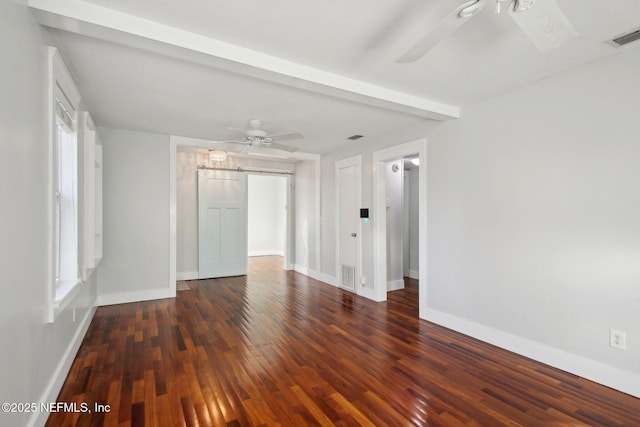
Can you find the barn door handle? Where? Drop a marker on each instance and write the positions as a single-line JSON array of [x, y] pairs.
[[353, 234]]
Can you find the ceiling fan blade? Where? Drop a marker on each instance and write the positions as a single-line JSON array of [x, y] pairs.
[[544, 24], [444, 29], [243, 131], [286, 136], [233, 141], [282, 147], [271, 155]]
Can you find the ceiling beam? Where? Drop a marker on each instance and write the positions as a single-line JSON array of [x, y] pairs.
[[88, 19]]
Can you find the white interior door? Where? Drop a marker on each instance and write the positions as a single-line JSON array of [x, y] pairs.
[[348, 186], [222, 223]]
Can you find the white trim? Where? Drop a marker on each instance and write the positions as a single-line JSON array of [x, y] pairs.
[[59, 78], [318, 215], [289, 227], [96, 21], [186, 275], [65, 292], [173, 260], [394, 285], [305, 270], [135, 296], [321, 277], [625, 381], [61, 371], [266, 252], [414, 274], [328, 279], [341, 164], [418, 146]]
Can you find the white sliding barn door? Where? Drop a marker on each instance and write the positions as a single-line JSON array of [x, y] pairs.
[[222, 223]]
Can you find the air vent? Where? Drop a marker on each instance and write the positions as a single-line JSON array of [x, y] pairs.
[[348, 280], [627, 38], [354, 137]]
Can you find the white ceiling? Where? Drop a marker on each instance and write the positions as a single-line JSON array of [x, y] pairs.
[[185, 89]]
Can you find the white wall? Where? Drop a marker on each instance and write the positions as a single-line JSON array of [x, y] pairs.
[[187, 204], [395, 222], [533, 237], [186, 216], [267, 214], [305, 224], [534, 230], [412, 207], [135, 264], [36, 356], [410, 250]]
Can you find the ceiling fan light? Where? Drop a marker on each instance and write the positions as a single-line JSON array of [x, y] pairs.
[[469, 9], [217, 155]]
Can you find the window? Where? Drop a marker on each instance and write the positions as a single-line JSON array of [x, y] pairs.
[[64, 276], [65, 168]]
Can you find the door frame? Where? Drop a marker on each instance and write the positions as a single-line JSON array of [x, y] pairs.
[[341, 164], [288, 227], [174, 142], [380, 157]]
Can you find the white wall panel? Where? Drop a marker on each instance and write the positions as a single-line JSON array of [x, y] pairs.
[[136, 216]]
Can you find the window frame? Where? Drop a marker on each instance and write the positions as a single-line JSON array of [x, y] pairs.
[[61, 91]]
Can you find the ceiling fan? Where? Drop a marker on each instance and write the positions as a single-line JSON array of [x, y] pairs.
[[256, 136], [542, 21]]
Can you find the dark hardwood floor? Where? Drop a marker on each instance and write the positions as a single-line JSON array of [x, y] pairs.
[[279, 348]]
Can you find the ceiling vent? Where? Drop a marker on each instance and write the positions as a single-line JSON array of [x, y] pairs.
[[626, 38], [354, 137]]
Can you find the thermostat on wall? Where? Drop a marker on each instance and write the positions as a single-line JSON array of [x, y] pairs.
[[364, 213]]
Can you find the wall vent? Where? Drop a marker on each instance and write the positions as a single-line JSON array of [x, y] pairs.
[[626, 38], [348, 279], [354, 137]]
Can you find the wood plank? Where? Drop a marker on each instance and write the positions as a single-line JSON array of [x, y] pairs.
[[279, 348]]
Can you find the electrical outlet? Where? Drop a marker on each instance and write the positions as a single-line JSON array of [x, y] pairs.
[[617, 339]]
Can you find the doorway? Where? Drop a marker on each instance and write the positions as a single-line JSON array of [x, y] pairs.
[[402, 195], [187, 157], [415, 149], [267, 216]]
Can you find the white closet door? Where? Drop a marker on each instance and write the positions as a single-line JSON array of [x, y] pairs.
[[222, 223], [348, 185]]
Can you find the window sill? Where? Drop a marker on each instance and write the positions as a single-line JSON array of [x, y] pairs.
[[66, 290]]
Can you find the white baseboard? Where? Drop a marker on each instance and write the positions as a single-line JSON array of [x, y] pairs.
[[625, 381], [50, 394], [326, 278], [135, 296], [266, 252], [414, 274], [394, 285], [186, 275], [305, 270]]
